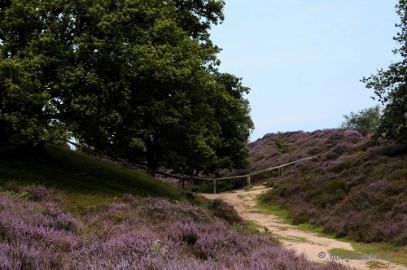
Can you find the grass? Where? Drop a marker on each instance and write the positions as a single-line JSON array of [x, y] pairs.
[[83, 181], [395, 254], [292, 238], [253, 226], [375, 264], [344, 253], [273, 209]]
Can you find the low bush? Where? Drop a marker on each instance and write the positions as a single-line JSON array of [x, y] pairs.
[[225, 211]]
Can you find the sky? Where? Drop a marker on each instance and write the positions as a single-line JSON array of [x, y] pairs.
[[304, 59]]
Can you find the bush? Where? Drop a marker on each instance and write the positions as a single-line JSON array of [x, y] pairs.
[[225, 211], [357, 188], [365, 119], [135, 233]]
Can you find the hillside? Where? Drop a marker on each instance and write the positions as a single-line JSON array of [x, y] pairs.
[[87, 180], [65, 210], [351, 188]]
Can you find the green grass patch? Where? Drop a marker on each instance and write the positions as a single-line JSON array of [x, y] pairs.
[[344, 253], [395, 254], [83, 181], [384, 251], [273, 209], [317, 230], [253, 226], [375, 264], [291, 238]]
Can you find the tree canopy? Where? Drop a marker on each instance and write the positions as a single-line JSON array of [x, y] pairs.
[[390, 86], [131, 78]]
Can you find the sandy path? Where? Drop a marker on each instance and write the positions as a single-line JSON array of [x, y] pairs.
[[312, 245]]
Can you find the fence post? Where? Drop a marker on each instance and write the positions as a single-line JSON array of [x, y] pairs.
[[248, 180], [181, 183], [214, 186]]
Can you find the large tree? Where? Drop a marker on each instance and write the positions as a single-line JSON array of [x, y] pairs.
[[133, 79], [390, 86]]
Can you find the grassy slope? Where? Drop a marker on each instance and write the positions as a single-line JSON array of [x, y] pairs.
[[353, 189], [82, 180]]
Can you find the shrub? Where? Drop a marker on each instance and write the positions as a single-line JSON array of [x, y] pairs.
[[225, 211], [350, 174], [156, 234]]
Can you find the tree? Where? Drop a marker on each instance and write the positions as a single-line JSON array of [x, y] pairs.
[[390, 86], [367, 119], [24, 98], [131, 78]]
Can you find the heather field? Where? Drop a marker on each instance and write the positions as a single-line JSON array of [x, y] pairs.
[[130, 233], [352, 188], [64, 210]]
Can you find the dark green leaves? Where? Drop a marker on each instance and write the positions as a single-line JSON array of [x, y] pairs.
[[130, 78]]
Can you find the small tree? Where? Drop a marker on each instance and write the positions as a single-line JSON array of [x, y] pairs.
[[368, 118]]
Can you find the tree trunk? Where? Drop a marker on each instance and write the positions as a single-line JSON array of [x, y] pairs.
[[152, 160]]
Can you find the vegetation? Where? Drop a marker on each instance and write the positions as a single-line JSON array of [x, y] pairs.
[[352, 187], [390, 86], [368, 119], [77, 173], [145, 233], [131, 79], [65, 210]]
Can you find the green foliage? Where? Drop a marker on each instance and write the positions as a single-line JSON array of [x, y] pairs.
[[282, 147], [367, 118], [390, 87], [118, 217], [310, 177], [132, 79]]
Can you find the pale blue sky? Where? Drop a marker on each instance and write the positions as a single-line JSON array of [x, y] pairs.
[[304, 59]]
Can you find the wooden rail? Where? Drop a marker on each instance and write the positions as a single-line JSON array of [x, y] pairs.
[[182, 179], [249, 176]]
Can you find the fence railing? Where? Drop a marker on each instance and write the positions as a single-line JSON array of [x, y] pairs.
[[183, 178]]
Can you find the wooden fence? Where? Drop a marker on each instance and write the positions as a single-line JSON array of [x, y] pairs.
[[248, 177], [182, 179]]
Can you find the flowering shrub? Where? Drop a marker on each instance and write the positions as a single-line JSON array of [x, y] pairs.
[[225, 211], [131, 233], [353, 188], [352, 135]]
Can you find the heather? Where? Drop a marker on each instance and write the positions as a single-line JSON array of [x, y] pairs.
[[352, 187], [130, 233]]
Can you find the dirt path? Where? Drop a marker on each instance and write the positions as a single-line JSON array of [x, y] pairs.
[[315, 247]]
